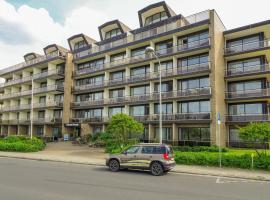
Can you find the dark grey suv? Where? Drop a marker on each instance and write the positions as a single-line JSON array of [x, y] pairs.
[[158, 158]]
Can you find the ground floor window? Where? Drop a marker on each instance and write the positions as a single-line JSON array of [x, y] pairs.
[[97, 129], [166, 133], [234, 134], [194, 134], [56, 132], [145, 134], [40, 131]]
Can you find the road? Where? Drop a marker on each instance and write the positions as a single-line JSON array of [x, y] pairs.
[[42, 180]]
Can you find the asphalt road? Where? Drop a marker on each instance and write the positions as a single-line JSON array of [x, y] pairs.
[[35, 180]]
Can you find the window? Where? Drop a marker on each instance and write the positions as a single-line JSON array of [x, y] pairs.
[[41, 114], [40, 131], [165, 86], [91, 64], [116, 93], [194, 107], [139, 110], [116, 57], [28, 115], [140, 71], [246, 43], [89, 96], [166, 133], [43, 85], [91, 80], [167, 108], [115, 110], [165, 66], [97, 129], [42, 99], [155, 18], [247, 109], [234, 134], [79, 45], [193, 83], [133, 150], [254, 64], [91, 113], [193, 61], [194, 134], [57, 114], [139, 90], [112, 33], [246, 85], [164, 47], [59, 98], [194, 39], [120, 75], [138, 52]]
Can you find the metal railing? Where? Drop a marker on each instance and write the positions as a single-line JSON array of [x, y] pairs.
[[195, 18], [247, 117], [247, 46], [247, 70], [37, 60], [248, 93], [194, 92]]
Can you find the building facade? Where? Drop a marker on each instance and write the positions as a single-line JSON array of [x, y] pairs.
[[205, 69]]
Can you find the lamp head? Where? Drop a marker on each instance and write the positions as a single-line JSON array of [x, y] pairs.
[[149, 50]]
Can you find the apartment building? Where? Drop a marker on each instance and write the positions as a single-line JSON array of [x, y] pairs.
[[205, 70]]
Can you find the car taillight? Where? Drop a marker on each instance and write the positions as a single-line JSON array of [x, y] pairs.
[[166, 156]]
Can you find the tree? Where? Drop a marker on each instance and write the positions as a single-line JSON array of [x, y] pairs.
[[120, 130], [256, 132]]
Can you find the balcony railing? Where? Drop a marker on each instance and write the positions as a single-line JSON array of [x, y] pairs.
[[247, 46], [248, 93], [247, 70], [146, 77], [35, 61], [47, 120], [15, 107], [195, 92], [198, 17], [247, 118], [48, 104], [48, 88]]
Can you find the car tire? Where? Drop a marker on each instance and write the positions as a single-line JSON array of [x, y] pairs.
[[114, 165], [156, 169]]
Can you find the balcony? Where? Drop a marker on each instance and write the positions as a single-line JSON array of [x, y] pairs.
[[246, 47], [243, 94], [49, 104], [248, 70], [89, 70], [247, 118], [98, 102], [41, 59], [15, 108], [47, 120], [89, 120], [166, 28]]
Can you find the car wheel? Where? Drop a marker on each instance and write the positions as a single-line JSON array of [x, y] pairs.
[[156, 169], [114, 165]]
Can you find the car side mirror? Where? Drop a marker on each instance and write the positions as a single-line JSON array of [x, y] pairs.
[[124, 152]]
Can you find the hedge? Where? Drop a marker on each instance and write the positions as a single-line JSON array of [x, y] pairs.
[[199, 149], [21, 144], [228, 160]]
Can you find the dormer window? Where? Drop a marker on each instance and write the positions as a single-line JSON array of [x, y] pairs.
[[80, 44], [155, 18], [113, 33]]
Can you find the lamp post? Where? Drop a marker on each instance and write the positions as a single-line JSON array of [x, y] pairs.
[[32, 114], [150, 50]]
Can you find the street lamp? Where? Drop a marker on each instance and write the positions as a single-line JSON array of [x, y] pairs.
[[151, 51], [32, 114]]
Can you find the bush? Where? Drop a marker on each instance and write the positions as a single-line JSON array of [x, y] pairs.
[[199, 149], [21, 144], [228, 160]]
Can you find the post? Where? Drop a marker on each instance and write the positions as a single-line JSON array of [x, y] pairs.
[[160, 104], [32, 114], [219, 139]]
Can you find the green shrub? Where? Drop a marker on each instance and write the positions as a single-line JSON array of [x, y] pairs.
[[228, 160], [21, 144], [199, 149]]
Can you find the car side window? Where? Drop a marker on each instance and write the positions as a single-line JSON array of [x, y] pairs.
[[133, 149], [148, 150]]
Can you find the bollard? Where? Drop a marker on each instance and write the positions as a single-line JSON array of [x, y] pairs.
[[252, 161]]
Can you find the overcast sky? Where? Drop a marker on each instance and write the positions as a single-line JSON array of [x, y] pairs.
[[30, 25]]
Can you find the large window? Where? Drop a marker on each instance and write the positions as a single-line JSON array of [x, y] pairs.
[[139, 110], [166, 133], [253, 64], [80, 44], [187, 84], [90, 80], [91, 64], [165, 86], [59, 97], [194, 134], [138, 51], [140, 71], [247, 109], [117, 57], [113, 33], [89, 96], [115, 110], [42, 99], [167, 108], [58, 114], [243, 44], [193, 61], [41, 114], [91, 113], [140, 90], [165, 66], [155, 18], [194, 39], [246, 85], [40, 131], [194, 107], [234, 134], [120, 75], [116, 93], [164, 46]]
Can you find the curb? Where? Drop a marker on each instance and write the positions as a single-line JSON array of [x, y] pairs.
[[174, 171]]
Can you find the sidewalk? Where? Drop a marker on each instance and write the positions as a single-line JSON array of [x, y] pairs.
[[66, 152]]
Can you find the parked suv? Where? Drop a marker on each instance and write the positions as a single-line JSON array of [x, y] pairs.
[[158, 158]]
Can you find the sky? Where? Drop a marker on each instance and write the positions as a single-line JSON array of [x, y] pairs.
[[30, 25]]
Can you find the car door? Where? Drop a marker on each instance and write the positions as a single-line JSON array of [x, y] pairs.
[[147, 155], [129, 157]]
